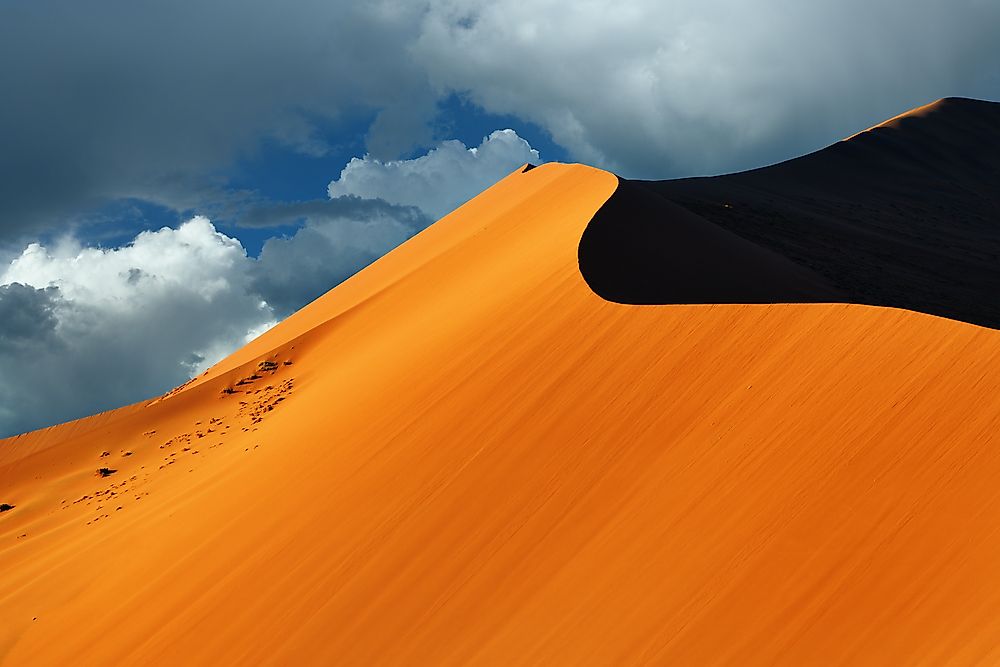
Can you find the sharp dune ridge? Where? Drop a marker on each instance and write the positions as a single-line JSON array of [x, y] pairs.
[[917, 112], [464, 454]]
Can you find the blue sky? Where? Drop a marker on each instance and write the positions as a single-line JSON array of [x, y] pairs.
[[177, 176]]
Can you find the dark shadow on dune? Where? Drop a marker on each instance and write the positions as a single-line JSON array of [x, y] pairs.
[[642, 248], [906, 216]]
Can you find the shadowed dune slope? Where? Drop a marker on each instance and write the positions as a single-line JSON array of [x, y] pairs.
[[642, 248], [905, 214], [463, 455]]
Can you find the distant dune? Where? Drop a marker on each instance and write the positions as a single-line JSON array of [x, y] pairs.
[[905, 214], [464, 454]]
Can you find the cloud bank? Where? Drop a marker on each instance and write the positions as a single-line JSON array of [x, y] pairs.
[[659, 89], [153, 101], [110, 99]]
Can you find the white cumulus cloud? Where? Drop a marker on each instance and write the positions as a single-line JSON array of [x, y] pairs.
[[440, 181], [104, 327]]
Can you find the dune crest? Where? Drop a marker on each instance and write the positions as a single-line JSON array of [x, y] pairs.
[[464, 454]]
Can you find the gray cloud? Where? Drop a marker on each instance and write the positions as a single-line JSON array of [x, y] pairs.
[[659, 89], [293, 271], [339, 237], [275, 214], [110, 99], [27, 316]]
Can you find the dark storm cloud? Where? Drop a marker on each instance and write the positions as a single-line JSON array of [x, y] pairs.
[[27, 316], [110, 98], [153, 100], [658, 89], [347, 207]]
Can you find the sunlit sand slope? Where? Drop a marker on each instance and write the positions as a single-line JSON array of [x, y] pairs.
[[464, 455]]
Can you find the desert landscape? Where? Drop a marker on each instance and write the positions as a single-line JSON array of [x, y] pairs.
[[748, 419]]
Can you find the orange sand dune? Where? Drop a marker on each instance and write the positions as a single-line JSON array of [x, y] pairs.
[[464, 455]]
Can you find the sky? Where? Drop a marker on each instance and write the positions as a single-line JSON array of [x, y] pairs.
[[175, 177]]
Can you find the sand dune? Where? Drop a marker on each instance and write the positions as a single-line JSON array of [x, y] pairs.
[[902, 215], [465, 455]]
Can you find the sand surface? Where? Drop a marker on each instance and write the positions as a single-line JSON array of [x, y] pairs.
[[463, 455]]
